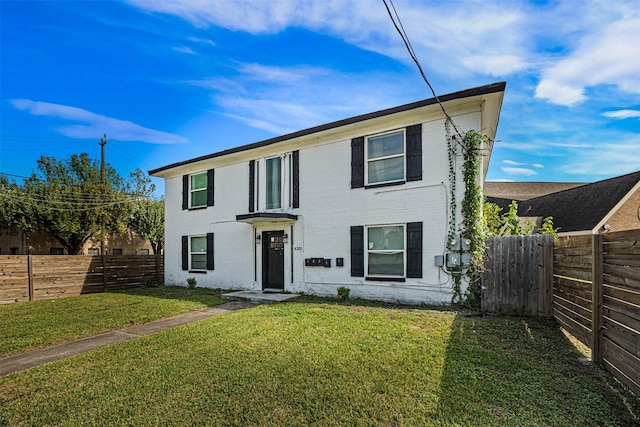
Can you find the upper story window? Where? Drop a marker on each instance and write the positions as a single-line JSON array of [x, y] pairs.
[[273, 183], [385, 158], [198, 190], [391, 158]]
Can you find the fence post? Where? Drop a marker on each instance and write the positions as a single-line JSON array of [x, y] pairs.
[[30, 275], [158, 281], [104, 273], [596, 298]]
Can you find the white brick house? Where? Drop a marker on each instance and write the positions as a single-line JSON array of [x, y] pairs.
[[361, 202]]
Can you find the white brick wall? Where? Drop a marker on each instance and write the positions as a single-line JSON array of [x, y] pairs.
[[328, 208]]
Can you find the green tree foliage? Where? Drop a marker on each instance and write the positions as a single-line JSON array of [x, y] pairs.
[[67, 200], [147, 219], [510, 223], [492, 219]]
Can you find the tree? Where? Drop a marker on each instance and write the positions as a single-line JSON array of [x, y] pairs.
[[491, 218], [510, 223], [148, 222], [68, 201], [147, 219]]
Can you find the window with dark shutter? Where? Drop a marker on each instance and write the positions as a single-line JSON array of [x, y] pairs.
[[185, 252], [185, 192], [252, 184], [357, 251], [414, 152], [414, 249], [210, 187], [357, 162], [295, 158], [210, 252]]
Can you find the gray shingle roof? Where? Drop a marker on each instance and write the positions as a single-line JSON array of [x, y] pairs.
[[581, 208]]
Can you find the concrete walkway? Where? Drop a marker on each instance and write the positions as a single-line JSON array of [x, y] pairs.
[[24, 361]]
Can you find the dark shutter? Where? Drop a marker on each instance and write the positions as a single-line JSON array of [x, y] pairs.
[[185, 252], [185, 192], [252, 184], [295, 158], [210, 187], [414, 250], [210, 263], [357, 162], [414, 153], [357, 251]]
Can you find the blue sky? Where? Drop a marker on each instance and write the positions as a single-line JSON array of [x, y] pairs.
[[171, 80]]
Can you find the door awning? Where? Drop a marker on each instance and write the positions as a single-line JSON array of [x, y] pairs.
[[266, 217]]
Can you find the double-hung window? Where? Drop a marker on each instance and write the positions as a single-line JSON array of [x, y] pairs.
[[198, 253], [385, 160], [198, 190], [385, 251]]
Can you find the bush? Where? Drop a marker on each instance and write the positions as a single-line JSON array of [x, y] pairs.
[[192, 283], [343, 293]]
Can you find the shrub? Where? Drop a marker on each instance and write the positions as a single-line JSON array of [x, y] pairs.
[[343, 293], [192, 282]]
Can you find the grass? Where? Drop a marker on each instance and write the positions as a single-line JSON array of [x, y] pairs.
[[327, 364], [30, 325]]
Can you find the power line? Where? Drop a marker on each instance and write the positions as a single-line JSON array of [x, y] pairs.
[[403, 35]]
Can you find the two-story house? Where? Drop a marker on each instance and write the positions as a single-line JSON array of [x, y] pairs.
[[363, 202]]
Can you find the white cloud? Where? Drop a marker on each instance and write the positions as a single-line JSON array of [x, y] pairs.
[[538, 165], [184, 49], [285, 99], [623, 114], [518, 171], [93, 125], [511, 162], [611, 159], [495, 65], [203, 41], [608, 55], [454, 35]]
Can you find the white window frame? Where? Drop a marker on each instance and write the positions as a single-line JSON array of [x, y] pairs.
[[192, 191], [266, 179], [261, 191], [370, 251], [367, 160], [191, 253]]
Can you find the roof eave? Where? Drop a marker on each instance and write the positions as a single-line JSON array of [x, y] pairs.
[[489, 117]]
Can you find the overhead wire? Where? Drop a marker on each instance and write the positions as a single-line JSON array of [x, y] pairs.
[[405, 38]]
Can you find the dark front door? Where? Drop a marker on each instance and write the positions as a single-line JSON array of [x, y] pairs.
[[273, 260]]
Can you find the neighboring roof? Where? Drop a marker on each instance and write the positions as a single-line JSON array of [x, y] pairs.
[[581, 208], [481, 90], [525, 190]]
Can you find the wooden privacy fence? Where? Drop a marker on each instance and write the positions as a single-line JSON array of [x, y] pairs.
[[517, 275], [37, 277], [596, 297]]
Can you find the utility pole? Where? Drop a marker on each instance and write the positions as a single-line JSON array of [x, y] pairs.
[[102, 143]]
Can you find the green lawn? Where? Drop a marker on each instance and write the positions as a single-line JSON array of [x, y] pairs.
[[327, 364], [30, 325]]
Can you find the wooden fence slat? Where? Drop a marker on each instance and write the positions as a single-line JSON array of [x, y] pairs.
[[516, 280], [35, 277]]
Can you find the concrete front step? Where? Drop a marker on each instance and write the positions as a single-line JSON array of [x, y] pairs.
[[258, 296]]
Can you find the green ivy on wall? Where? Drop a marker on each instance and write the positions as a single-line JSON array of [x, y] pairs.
[[471, 229]]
